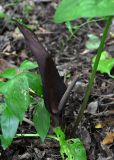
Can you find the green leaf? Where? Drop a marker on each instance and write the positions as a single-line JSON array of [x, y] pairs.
[[27, 65], [35, 82], [93, 42], [2, 84], [8, 73], [2, 15], [106, 63], [17, 95], [69, 26], [3, 87], [2, 108], [9, 124], [71, 9], [73, 149], [41, 119], [28, 8]]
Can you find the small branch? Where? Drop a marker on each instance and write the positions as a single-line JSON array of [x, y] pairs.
[[26, 135], [28, 121], [107, 104], [66, 94], [107, 113]]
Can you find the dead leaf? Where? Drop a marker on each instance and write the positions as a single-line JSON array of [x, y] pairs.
[[109, 139], [92, 107], [5, 64]]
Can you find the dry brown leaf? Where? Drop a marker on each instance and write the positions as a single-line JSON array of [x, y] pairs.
[[4, 64], [109, 138], [1, 79]]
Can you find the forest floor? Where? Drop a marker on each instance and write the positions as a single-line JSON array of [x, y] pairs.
[[72, 58]]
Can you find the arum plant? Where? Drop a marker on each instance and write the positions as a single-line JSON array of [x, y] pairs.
[[54, 89], [72, 9], [22, 86]]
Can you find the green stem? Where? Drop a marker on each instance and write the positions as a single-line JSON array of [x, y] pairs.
[[91, 81]]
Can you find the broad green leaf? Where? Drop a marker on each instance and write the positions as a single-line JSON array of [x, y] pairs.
[[27, 65], [8, 73], [2, 107], [73, 149], [35, 82], [104, 56], [41, 119], [3, 87], [2, 84], [106, 63], [9, 124], [17, 95], [71, 9], [93, 42]]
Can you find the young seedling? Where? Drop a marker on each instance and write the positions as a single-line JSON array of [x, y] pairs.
[[71, 149]]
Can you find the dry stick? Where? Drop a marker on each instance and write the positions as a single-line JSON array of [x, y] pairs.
[[107, 113], [66, 94], [28, 121]]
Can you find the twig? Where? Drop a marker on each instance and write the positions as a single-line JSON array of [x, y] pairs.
[[66, 94], [28, 121], [26, 135], [107, 104], [107, 113]]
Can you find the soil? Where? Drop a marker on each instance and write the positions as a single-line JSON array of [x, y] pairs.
[[72, 58]]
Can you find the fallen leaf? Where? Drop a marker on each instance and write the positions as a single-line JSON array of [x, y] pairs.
[[93, 42], [4, 64], [109, 139], [92, 107]]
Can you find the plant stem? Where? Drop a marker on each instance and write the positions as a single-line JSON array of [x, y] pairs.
[[66, 94], [92, 77]]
